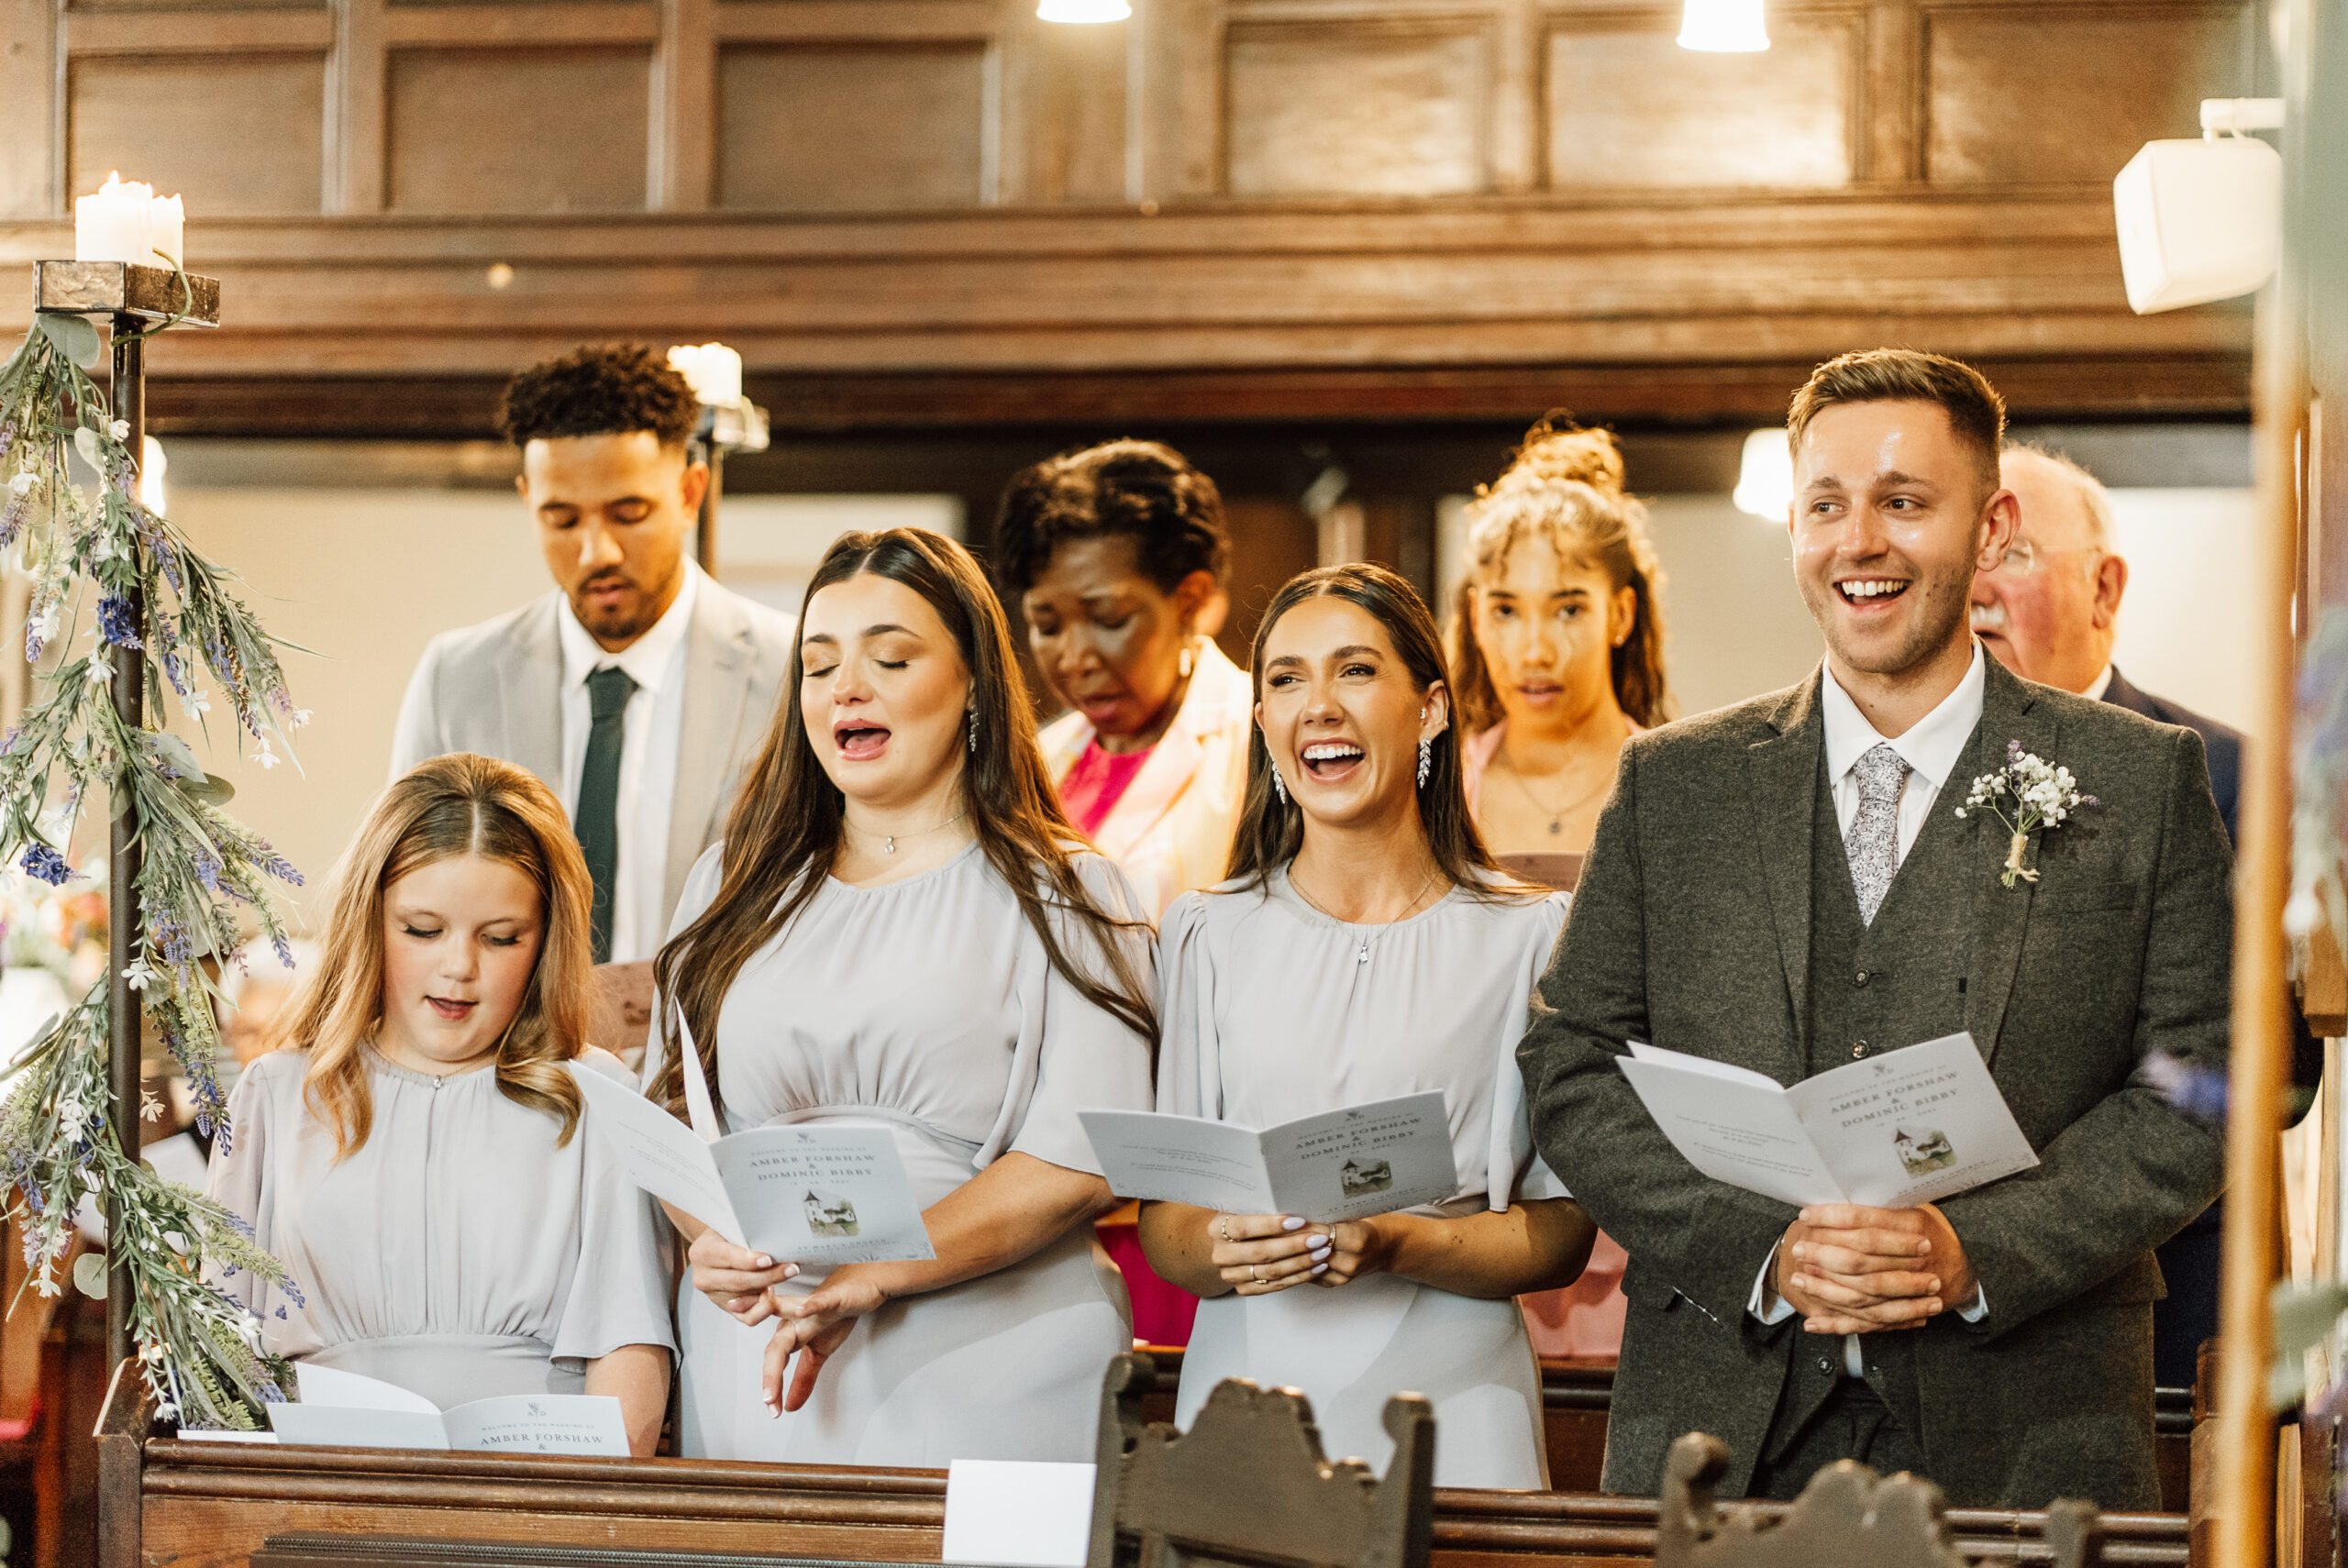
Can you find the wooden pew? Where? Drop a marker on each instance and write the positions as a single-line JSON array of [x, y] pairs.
[[206, 1505]]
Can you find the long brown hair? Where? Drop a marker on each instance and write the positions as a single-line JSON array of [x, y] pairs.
[[1565, 485], [1271, 830], [459, 805], [784, 832]]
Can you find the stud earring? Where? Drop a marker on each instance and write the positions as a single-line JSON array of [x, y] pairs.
[[1278, 787], [1184, 663], [1426, 761], [974, 729]]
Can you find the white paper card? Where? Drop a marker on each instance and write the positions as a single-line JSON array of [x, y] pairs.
[[343, 1410], [1889, 1132], [813, 1195], [1340, 1165], [1022, 1513]]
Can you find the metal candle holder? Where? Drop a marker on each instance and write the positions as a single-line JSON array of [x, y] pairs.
[[134, 299]]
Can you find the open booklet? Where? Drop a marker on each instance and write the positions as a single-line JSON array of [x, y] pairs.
[[813, 1196], [342, 1409], [1340, 1165], [1889, 1132]]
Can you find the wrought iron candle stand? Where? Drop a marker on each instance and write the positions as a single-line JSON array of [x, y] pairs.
[[134, 301]]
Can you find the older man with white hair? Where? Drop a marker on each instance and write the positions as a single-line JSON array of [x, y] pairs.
[[2050, 612]]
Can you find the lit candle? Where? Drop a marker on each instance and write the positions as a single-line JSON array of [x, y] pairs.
[[165, 227], [713, 370], [113, 224]]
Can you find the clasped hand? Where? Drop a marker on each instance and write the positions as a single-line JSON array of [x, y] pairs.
[[1849, 1269], [812, 1326], [1258, 1254]]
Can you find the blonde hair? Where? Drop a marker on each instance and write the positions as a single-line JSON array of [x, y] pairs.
[[1565, 485], [459, 805]]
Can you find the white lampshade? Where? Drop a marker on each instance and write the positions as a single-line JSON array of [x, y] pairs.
[[711, 369], [1765, 479], [1083, 11], [2197, 220], [152, 465], [1724, 27]]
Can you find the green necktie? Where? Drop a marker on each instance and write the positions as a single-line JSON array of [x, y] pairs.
[[598, 820]]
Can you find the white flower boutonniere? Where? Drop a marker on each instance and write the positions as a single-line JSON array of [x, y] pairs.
[[2038, 793]]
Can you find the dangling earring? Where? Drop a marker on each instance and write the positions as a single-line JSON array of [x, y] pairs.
[[1277, 787], [974, 729], [1426, 761], [1183, 664]]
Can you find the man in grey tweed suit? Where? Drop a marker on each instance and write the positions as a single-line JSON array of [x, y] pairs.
[[1786, 885]]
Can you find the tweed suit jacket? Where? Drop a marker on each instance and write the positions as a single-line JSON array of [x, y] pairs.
[[1691, 929]]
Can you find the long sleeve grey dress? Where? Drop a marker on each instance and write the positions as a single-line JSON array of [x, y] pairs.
[[458, 1253], [927, 1006], [1273, 1010]]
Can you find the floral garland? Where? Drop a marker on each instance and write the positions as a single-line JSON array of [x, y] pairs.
[[201, 872]]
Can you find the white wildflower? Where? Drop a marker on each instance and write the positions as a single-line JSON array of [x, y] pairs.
[[266, 757], [138, 974], [47, 1284], [197, 704], [301, 718], [23, 483], [119, 429], [71, 1112], [101, 668]]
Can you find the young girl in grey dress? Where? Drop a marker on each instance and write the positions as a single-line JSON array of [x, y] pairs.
[[412, 1150], [901, 930], [1366, 947]]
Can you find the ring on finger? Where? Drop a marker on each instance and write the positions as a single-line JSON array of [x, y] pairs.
[[1256, 1273], [1222, 1227]]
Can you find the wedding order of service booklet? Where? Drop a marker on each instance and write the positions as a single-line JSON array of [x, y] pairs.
[[343, 1410], [813, 1196], [1340, 1165], [1889, 1132]]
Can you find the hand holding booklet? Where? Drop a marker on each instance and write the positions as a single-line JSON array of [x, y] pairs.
[[1340, 1165], [819, 1195], [1889, 1132], [342, 1409]]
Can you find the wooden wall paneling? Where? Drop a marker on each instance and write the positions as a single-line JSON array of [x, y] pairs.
[[1628, 108], [523, 24], [227, 30], [31, 110], [1065, 108], [1519, 35], [185, 122], [796, 130], [1321, 102], [1888, 146], [356, 110], [682, 174], [1174, 98], [541, 129], [2068, 92]]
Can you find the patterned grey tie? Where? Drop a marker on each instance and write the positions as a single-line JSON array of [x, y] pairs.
[[1872, 841]]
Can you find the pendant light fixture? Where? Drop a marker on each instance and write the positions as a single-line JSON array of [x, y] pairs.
[[1724, 27], [1765, 477], [1083, 12]]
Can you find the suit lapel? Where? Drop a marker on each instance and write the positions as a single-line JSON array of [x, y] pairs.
[[1781, 782], [531, 696], [717, 685], [2010, 711]]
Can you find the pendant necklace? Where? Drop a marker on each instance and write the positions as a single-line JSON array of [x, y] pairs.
[[1361, 955], [1557, 817], [889, 840]]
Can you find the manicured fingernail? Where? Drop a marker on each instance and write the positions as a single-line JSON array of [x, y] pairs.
[[791, 1271], [1802, 1280], [762, 1261], [1321, 1251], [1320, 1268], [1933, 1286], [1292, 1222], [1801, 1251]]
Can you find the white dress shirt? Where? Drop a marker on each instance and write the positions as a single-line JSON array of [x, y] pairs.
[[652, 733], [2099, 686], [1932, 748]]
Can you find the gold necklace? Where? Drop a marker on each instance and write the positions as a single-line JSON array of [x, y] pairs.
[[1362, 955], [889, 840], [1558, 817]]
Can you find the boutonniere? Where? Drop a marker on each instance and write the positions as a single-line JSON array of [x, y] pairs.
[[2039, 795]]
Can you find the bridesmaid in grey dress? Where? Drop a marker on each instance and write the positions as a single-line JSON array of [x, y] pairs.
[[412, 1150], [1366, 947], [900, 931]]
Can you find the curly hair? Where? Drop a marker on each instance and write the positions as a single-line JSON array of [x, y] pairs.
[[1142, 489], [607, 388]]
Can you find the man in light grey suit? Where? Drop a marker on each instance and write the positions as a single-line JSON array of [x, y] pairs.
[[1787, 886], [639, 688]]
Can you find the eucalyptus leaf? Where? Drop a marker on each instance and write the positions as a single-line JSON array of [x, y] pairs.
[[177, 755], [208, 788], [74, 337], [86, 441], [90, 1275], [2304, 1314]]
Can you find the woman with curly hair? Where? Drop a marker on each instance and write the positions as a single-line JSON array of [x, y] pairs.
[[411, 1148]]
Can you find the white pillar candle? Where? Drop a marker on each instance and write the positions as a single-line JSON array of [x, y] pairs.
[[713, 370], [113, 223], [165, 227]]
